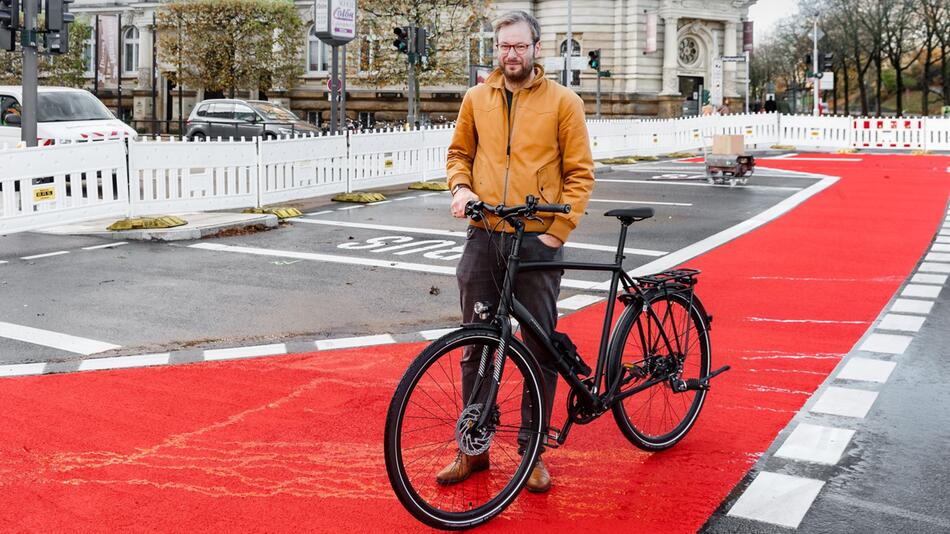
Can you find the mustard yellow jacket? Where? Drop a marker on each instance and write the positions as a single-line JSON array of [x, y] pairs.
[[543, 150]]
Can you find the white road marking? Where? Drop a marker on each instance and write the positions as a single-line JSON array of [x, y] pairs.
[[47, 255], [107, 245], [380, 202], [430, 335], [698, 184], [930, 267], [886, 343], [939, 279], [716, 240], [816, 444], [244, 352], [431, 194], [912, 306], [867, 370], [410, 197], [2, 262], [461, 233], [943, 239], [350, 342], [816, 159], [777, 499], [124, 362], [808, 321], [578, 301], [351, 208], [845, 402], [783, 156], [56, 340], [324, 212], [647, 202], [939, 247], [918, 290], [22, 369], [905, 323]]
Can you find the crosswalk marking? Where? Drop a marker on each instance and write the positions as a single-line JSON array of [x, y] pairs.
[[918, 290], [906, 323], [56, 340], [867, 370], [886, 343], [912, 306], [578, 301], [845, 402], [777, 499], [816, 444]]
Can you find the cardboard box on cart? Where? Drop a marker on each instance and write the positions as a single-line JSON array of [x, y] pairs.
[[728, 145]]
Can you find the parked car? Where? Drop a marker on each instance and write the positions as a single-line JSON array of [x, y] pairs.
[[63, 114], [244, 118]]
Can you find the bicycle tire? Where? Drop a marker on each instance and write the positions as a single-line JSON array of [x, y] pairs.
[[657, 418], [486, 494]]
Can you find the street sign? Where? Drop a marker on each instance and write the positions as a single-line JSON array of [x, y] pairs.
[[334, 21], [716, 94], [331, 86], [578, 63], [827, 81], [553, 64], [733, 59]]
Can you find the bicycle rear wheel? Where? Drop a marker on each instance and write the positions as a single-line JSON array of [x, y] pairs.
[[428, 424], [657, 418]]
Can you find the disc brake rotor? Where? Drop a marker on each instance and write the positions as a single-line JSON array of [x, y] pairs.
[[471, 439]]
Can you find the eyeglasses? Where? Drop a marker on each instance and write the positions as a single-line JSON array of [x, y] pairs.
[[519, 49]]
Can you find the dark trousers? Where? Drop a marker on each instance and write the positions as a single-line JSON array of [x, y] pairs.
[[481, 275]]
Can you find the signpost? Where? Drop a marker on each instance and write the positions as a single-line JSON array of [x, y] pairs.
[[334, 23], [744, 58]]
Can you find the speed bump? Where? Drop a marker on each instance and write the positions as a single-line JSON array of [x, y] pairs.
[[438, 185], [845, 151], [281, 213], [145, 223], [362, 198], [679, 155], [782, 147]]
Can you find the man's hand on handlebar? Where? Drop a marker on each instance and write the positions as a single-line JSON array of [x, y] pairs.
[[460, 199], [550, 241]]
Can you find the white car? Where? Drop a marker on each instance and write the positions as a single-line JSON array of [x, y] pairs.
[[64, 114]]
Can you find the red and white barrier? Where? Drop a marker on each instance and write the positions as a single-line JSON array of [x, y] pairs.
[[888, 133]]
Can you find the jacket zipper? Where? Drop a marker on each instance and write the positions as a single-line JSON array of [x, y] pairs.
[[511, 126]]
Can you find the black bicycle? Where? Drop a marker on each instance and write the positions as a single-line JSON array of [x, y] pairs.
[[659, 348]]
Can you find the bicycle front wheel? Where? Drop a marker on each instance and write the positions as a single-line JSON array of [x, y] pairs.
[[429, 425], [673, 342]]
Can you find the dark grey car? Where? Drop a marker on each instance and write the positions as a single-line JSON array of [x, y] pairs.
[[227, 118]]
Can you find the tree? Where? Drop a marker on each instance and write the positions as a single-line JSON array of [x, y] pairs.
[[899, 41], [67, 70], [226, 45], [449, 24]]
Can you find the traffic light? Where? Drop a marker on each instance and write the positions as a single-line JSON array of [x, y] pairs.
[[421, 36], [57, 14], [9, 23], [808, 58], [402, 39], [594, 56], [825, 61]]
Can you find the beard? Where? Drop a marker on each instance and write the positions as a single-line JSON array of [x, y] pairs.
[[521, 73]]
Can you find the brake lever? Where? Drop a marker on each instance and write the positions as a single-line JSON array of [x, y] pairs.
[[534, 218]]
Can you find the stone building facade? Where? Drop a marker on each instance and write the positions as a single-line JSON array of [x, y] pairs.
[[689, 35]]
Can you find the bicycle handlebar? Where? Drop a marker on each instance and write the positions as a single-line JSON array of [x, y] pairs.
[[475, 210]]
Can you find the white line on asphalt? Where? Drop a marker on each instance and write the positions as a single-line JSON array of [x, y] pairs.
[[380, 202], [783, 156], [716, 240], [410, 197], [904, 323], [867, 370], [929, 267], [886, 343], [56, 340], [816, 159], [244, 352], [811, 321], [324, 212], [350, 342], [703, 184], [846, 402], [943, 239], [940, 247], [47, 255], [918, 290], [22, 369], [430, 335], [912, 306], [349, 260], [461, 233], [647, 202], [777, 499], [939, 279], [2, 262], [577, 302], [124, 362], [351, 208], [431, 194], [852, 504], [107, 245], [816, 444]]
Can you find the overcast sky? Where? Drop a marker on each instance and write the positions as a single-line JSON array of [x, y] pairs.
[[765, 12]]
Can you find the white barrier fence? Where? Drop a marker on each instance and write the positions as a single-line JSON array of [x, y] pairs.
[[70, 183]]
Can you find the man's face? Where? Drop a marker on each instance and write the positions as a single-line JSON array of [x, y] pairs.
[[516, 64]]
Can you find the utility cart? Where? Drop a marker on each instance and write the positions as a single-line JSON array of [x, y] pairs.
[[728, 162]]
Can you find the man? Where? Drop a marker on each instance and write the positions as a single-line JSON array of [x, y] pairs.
[[518, 134]]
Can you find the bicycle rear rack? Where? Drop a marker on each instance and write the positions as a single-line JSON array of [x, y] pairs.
[[682, 276]]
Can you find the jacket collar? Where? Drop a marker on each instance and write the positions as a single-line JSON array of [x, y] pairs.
[[497, 80]]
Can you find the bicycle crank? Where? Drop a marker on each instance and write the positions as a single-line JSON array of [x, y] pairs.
[[696, 384]]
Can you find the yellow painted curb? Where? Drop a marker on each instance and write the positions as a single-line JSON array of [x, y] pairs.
[[362, 198], [146, 223], [782, 147], [430, 186], [845, 151], [679, 155], [920, 152], [281, 213]]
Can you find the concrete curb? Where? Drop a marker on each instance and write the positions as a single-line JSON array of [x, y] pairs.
[[199, 225]]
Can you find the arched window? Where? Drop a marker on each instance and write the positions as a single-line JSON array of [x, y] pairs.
[[130, 50], [89, 53], [481, 45], [318, 54]]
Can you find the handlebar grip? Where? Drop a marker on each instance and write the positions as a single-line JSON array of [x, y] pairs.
[[554, 208], [473, 210]]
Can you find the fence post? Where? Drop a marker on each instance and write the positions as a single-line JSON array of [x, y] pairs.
[[923, 131], [260, 170], [349, 162]]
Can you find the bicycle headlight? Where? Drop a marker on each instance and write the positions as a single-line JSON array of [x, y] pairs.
[[483, 310]]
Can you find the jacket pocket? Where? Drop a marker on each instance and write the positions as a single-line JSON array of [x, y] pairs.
[[550, 183]]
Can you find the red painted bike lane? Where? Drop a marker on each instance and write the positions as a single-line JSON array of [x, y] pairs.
[[294, 443]]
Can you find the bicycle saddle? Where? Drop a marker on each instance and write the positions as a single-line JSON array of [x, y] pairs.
[[630, 215]]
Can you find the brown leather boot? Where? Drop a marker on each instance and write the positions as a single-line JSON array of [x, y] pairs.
[[540, 479], [462, 467]]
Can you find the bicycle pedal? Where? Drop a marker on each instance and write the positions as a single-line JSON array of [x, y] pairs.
[[635, 370], [551, 438]]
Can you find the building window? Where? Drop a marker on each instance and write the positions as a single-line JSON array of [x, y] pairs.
[[89, 53], [369, 51], [130, 50], [575, 52], [688, 51], [318, 61], [481, 46]]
